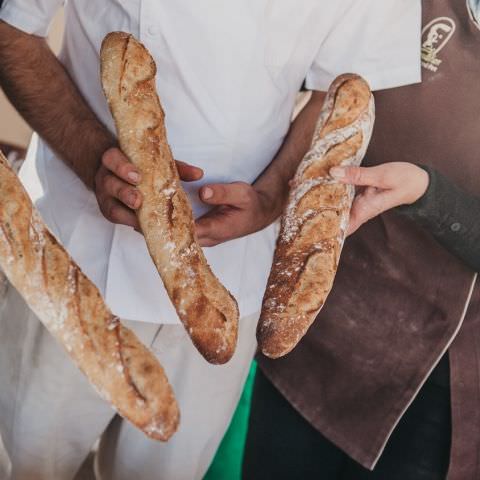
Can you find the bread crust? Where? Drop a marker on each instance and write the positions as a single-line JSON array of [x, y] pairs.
[[123, 371], [206, 308], [315, 221]]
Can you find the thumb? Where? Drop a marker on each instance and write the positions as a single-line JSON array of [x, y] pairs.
[[237, 194], [187, 172]]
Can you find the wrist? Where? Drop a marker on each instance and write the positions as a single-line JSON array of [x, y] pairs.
[[100, 142], [273, 195], [425, 200], [420, 184]]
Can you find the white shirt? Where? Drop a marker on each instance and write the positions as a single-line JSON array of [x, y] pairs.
[[475, 9], [228, 75]]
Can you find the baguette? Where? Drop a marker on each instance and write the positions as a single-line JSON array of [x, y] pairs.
[[121, 369], [205, 307], [315, 221]]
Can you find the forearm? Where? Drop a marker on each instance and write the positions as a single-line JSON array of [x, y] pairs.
[[451, 215], [41, 90], [274, 181]]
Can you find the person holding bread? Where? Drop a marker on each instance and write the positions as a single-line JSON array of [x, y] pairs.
[[227, 76], [385, 384], [422, 194]]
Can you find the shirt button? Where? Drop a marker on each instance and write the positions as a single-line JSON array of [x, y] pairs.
[[455, 227], [153, 30]]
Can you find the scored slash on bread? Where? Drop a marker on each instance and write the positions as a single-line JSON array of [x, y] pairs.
[[206, 308], [122, 370], [315, 221]]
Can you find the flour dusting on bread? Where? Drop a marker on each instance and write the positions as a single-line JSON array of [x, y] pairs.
[[315, 221]]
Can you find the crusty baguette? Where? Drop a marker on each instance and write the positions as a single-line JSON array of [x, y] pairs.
[[206, 308], [122, 370], [316, 218]]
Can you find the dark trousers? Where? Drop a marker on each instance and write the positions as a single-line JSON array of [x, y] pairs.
[[281, 444]]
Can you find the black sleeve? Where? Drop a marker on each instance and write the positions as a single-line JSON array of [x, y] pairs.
[[451, 215]]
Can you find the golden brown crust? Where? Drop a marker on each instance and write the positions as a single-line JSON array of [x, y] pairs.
[[316, 219], [122, 369], [206, 308]]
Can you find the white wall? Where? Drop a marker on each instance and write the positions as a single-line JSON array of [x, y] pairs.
[[12, 128]]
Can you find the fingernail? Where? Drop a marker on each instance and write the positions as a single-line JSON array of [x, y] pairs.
[[337, 172], [133, 176], [132, 199], [207, 193]]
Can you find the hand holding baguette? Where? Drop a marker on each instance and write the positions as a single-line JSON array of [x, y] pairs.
[[315, 222], [121, 369], [115, 186], [207, 310], [384, 187]]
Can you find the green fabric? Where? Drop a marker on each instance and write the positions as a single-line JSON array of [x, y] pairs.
[[227, 463]]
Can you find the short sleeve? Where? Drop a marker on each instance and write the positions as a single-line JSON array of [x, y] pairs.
[[30, 16], [378, 39]]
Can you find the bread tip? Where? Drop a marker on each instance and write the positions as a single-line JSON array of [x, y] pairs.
[[222, 359], [272, 355], [273, 350], [346, 77], [117, 35], [275, 339], [160, 432], [216, 356]]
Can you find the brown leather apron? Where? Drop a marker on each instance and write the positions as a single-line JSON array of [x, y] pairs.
[[400, 299]]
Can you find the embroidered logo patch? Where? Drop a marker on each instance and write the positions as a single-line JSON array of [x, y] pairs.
[[435, 36]]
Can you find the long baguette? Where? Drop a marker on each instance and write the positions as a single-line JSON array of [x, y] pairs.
[[206, 308], [316, 218], [120, 368]]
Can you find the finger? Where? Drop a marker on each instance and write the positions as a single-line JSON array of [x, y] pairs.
[[202, 228], [206, 230], [359, 214], [187, 172], [238, 194], [116, 212], [115, 161], [120, 190], [368, 205], [361, 176], [208, 242], [215, 227]]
